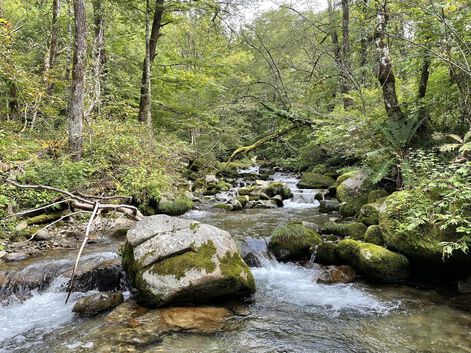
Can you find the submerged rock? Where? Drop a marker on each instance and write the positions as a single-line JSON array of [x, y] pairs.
[[373, 261], [172, 260], [315, 181], [337, 274], [293, 241], [97, 303]]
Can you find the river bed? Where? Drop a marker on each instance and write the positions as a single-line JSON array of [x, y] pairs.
[[290, 312]]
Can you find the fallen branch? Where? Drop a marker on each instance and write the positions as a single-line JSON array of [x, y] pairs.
[[33, 210], [87, 232], [263, 140], [49, 225], [82, 202]]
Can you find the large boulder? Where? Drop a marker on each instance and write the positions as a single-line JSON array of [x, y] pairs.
[[423, 242], [293, 241], [173, 260], [373, 261], [352, 191], [315, 181]]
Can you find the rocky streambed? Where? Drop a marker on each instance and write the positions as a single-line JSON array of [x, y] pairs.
[[292, 310]]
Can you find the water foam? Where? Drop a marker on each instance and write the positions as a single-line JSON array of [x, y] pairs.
[[293, 284]]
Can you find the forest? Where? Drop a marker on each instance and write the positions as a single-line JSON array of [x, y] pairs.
[[235, 176]]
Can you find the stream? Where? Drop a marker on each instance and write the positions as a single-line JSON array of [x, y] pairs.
[[290, 312]]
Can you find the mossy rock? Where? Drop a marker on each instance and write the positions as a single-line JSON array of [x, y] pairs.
[[293, 241], [278, 188], [352, 191], [223, 206], [172, 260], [326, 253], [354, 230], [369, 213], [243, 200], [45, 218], [177, 207], [373, 235], [421, 243], [376, 195], [374, 262], [247, 190], [315, 181]]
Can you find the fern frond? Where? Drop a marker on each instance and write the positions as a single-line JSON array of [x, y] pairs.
[[456, 138], [449, 147], [382, 171]]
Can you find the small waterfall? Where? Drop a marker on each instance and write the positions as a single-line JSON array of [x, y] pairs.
[[302, 198]]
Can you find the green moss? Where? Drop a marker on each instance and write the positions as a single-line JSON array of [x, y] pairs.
[[326, 253], [128, 262], [293, 241], [278, 188], [243, 200], [373, 235], [178, 266], [373, 261], [235, 269], [247, 190], [315, 181], [375, 195], [344, 177], [223, 206], [355, 230], [419, 241], [369, 213], [175, 208], [45, 218]]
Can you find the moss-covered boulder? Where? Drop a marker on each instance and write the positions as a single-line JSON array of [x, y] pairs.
[[354, 230], [373, 235], [369, 213], [278, 188], [175, 207], [423, 242], [374, 262], [172, 260], [326, 253], [375, 195], [315, 181], [352, 191], [293, 241]]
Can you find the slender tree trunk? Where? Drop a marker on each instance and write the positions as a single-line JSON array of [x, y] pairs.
[[385, 70], [151, 46], [345, 88], [78, 80], [340, 52], [364, 41], [99, 57], [422, 91], [51, 54], [13, 106], [68, 60]]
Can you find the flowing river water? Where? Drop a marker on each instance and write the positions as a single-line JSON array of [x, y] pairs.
[[290, 312]]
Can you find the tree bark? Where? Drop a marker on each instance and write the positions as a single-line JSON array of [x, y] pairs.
[[99, 56], [345, 87], [364, 40], [338, 51], [52, 50], [151, 46], [385, 70], [422, 91], [78, 80], [68, 59]]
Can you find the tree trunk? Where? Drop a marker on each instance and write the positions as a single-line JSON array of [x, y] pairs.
[[13, 106], [68, 59], [385, 70], [99, 56], [338, 51], [51, 54], [423, 82], [345, 87], [151, 46], [364, 41], [78, 80]]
